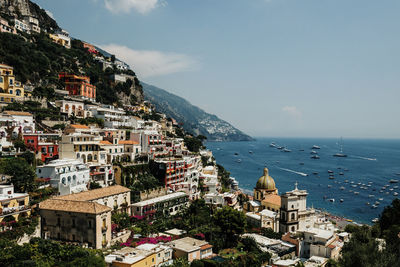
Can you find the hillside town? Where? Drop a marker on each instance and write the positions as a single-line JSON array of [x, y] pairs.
[[129, 186], [97, 174]]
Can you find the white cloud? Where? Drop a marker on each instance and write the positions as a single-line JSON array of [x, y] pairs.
[[150, 63], [125, 6], [50, 14], [292, 111]]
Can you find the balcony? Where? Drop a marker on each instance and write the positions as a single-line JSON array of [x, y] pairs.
[[14, 210]]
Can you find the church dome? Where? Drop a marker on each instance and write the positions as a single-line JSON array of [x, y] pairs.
[[266, 182]]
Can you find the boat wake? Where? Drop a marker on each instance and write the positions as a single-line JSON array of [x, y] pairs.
[[292, 171], [371, 159]]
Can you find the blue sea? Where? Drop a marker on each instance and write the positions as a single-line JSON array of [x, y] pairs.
[[369, 162]]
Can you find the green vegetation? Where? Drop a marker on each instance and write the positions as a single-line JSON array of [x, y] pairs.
[[224, 175], [24, 225], [36, 109], [22, 174], [378, 245], [46, 253], [38, 61], [194, 144]]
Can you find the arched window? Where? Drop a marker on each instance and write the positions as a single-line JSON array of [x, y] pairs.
[[293, 217], [69, 179], [63, 180], [293, 228], [89, 157], [18, 92]]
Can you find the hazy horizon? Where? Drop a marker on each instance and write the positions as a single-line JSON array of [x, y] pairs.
[[294, 68]]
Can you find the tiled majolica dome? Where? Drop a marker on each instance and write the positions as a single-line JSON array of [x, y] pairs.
[[266, 182]]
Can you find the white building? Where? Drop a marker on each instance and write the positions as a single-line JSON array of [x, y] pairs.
[[321, 243], [168, 205], [294, 215], [71, 107], [68, 175], [113, 117], [33, 23], [264, 219], [21, 120], [22, 26]]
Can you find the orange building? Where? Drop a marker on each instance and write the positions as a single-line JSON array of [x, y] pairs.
[[91, 48], [78, 85]]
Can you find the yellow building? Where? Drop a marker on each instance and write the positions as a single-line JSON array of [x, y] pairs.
[[10, 89], [13, 204], [265, 195], [131, 257], [61, 38]]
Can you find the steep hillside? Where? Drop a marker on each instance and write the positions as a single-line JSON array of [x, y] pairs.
[[194, 119], [20, 8]]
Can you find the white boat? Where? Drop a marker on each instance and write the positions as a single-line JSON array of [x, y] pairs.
[[342, 188], [315, 147], [393, 181], [341, 200], [313, 152], [356, 193], [340, 154], [375, 220], [315, 157], [395, 194], [332, 200], [239, 160], [287, 150], [272, 144]]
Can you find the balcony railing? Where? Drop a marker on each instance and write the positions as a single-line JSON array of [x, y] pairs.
[[9, 211]]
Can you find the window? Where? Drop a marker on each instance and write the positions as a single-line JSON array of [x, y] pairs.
[[63, 180], [11, 83], [293, 217]]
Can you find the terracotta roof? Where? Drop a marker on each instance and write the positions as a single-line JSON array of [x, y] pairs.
[[73, 206], [206, 246], [273, 199], [96, 193], [128, 142], [17, 113], [104, 142], [79, 126]]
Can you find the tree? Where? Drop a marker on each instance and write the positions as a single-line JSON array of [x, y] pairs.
[[230, 224], [22, 174], [20, 145]]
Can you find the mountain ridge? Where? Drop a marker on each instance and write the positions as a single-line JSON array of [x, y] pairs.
[[193, 119]]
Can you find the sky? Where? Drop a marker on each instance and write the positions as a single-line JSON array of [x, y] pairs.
[[289, 68]]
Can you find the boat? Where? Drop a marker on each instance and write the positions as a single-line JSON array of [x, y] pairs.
[[315, 173], [375, 220], [356, 193], [395, 194], [280, 147], [315, 157], [332, 200], [371, 196], [393, 181], [236, 153], [329, 186], [250, 152], [342, 188], [331, 177], [374, 206], [367, 203], [346, 181], [341, 173], [329, 171], [272, 144], [380, 199], [315, 147], [340, 154], [239, 160], [301, 150], [341, 200], [287, 150], [313, 152]]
